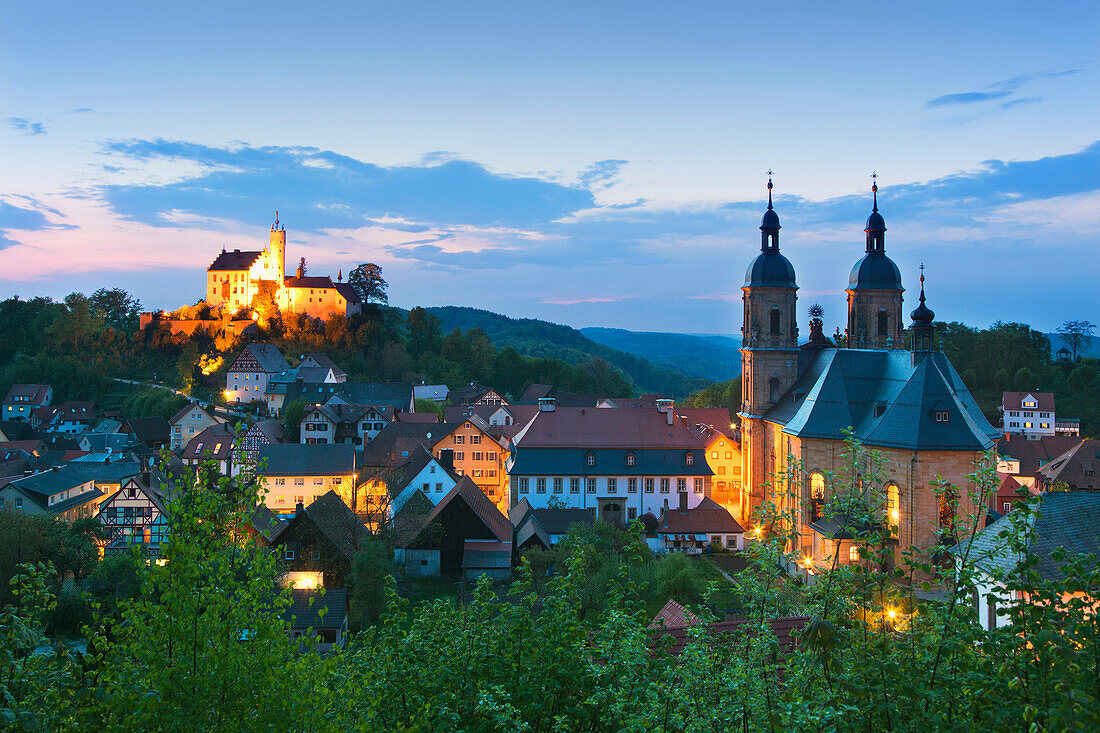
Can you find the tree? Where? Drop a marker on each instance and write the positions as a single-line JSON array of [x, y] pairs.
[[293, 412], [1077, 335], [302, 270], [118, 309], [370, 569], [366, 280], [79, 325], [1024, 380]]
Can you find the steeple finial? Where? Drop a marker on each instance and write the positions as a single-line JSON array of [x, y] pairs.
[[874, 189], [275, 226], [769, 188]]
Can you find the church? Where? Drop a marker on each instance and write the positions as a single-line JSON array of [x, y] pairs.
[[235, 278], [903, 402]]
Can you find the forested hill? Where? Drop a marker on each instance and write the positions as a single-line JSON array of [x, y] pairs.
[[711, 357], [537, 338]]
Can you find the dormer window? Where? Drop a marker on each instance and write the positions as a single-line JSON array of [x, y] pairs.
[[689, 459], [880, 410], [941, 415], [590, 459], [631, 459]]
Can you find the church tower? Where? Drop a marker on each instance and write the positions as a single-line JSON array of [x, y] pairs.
[[769, 350], [277, 249], [875, 292]]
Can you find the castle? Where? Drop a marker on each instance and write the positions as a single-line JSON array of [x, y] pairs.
[[236, 278], [906, 404]]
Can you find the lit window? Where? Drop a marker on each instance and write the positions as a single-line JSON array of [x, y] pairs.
[[853, 554]]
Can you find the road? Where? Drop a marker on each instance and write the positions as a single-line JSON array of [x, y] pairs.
[[218, 409]]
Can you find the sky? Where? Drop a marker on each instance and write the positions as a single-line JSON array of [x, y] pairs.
[[590, 163]]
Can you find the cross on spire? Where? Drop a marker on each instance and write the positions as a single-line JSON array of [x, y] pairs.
[[769, 188], [874, 189]]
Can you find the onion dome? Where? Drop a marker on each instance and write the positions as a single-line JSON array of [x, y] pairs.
[[875, 271], [922, 315], [770, 269]]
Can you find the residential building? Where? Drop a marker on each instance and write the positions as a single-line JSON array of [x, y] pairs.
[[1066, 521], [621, 462], [15, 430], [545, 528], [1030, 414], [68, 418], [478, 454], [1068, 426], [319, 615], [248, 375], [452, 539], [154, 432], [263, 432], [136, 515], [22, 399], [314, 369], [434, 392], [475, 394], [189, 422], [292, 473], [216, 443], [494, 415], [321, 539], [1022, 458], [723, 446], [396, 395], [384, 491], [335, 422], [910, 407], [1074, 469], [691, 531], [397, 442], [96, 442], [60, 492]]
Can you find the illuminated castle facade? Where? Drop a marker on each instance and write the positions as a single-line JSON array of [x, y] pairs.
[[236, 278]]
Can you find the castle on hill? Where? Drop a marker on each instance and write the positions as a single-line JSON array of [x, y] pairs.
[[235, 278]]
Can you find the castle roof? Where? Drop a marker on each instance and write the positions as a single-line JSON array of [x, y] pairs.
[[235, 260], [887, 399]]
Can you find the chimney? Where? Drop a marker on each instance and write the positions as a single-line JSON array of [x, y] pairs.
[[683, 502], [547, 404], [300, 272], [665, 406], [447, 459]]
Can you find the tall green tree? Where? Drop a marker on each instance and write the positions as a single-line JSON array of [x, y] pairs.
[[1077, 335], [116, 307], [366, 280]]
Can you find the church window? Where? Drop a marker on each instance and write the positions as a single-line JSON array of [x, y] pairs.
[[773, 389], [817, 495], [774, 321], [883, 323], [893, 504]]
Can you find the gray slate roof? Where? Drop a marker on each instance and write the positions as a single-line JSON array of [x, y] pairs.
[[299, 459], [842, 388], [1066, 519]]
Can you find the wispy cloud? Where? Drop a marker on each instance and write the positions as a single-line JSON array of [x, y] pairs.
[[81, 111], [999, 90], [24, 125], [601, 174]]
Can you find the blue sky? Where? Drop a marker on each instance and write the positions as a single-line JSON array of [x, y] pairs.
[[587, 163]]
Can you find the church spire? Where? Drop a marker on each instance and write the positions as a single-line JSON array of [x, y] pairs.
[[876, 225], [769, 225], [923, 328]]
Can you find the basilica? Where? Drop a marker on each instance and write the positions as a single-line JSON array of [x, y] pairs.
[[235, 279], [904, 402]]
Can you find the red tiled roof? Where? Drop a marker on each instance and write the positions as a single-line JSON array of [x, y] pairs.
[[674, 616], [235, 260], [1032, 453], [308, 282], [479, 504], [785, 630], [1014, 400], [216, 440], [626, 427], [708, 517]]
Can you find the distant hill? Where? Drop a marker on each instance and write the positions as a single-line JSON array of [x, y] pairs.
[[711, 357], [537, 338]]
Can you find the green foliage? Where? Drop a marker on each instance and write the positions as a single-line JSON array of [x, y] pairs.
[[371, 569], [366, 279], [719, 394], [153, 403], [45, 541], [427, 406], [116, 307], [292, 414], [678, 578]]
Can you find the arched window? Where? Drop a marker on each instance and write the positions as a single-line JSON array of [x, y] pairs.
[[853, 553], [883, 323], [689, 459], [774, 321], [631, 459], [817, 496], [590, 459], [773, 389], [893, 505]]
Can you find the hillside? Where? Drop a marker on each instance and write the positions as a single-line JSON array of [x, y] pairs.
[[711, 357], [537, 338]]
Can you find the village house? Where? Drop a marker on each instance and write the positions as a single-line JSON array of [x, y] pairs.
[[248, 375], [475, 394], [434, 392], [1065, 520], [1022, 458], [22, 399], [385, 491], [692, 531], [68, 418], [153, 431], [1030, 414], [292, 473], [622, 462], [264, 432], [320, 541], [61, 492], [335, 422], [216, 444], [136, 515], [189, 422], [314, 369], [318, 615], [396, 395], [1073, 469], [476, 453], [545, 528]]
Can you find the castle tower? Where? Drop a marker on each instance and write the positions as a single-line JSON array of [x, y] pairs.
[[769, 352], [875, 292], [277, 248]]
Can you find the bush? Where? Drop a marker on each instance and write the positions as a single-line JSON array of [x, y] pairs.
[[677, 578]]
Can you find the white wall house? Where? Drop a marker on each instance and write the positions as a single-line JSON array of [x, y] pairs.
[[1030, 414]]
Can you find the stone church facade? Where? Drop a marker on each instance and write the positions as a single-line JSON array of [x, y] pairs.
[[907, 407]]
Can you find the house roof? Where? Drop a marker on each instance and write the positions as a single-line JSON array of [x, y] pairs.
[[15, 429], [271, 429], [183, 412], [437, 392], [580, 427], [785, 631], [888, 401], [1063, 519], [521, 414], [707, 420], [34, 394], [472, 392], [316, 609], [216, 442], [308, 281], [105, 442], [30, 447], [674, 616], [486, 554], [1033, 454], [708, 517], [396, 442], [268, 356], [1015, 401], [298, 459], [149, 429], [558, 521], [467, 492], [538, 461], [53, 480], [336, 521], [430, 418], [535, 392], [235, 260], [392, 394], [346, 290], [267, 523], [1077, 466]]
